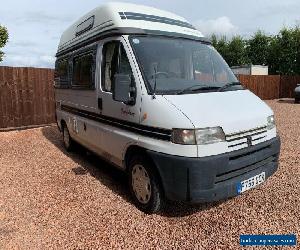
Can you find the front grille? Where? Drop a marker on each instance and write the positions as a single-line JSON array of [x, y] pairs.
[[247, 160], [243, 170], [246, 138], [235, 157]]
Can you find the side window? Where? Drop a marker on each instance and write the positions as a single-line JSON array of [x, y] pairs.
[[109, 64], [61, 72], [113, 62], [124, 87], [83, 71]]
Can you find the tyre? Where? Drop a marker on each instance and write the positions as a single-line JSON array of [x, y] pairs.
[[68, 142], [297, 100], [144, 185]]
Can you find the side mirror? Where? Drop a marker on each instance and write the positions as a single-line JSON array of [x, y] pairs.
[[123, 89]]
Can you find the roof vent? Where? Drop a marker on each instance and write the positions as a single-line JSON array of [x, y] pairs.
[[85, 26]]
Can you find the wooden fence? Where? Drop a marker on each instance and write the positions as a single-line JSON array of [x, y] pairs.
[[271, 87], [26, 97], [27, 94], [288, 85]]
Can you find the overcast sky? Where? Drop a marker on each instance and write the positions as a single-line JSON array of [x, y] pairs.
[[35, 26]]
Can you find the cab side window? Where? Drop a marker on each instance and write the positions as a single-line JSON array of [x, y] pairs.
[[109, 64], [114, 61]]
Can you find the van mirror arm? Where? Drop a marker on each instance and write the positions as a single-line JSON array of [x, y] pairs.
[[132, 95]]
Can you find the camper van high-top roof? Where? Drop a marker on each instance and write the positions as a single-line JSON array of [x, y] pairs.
[[125, 18]]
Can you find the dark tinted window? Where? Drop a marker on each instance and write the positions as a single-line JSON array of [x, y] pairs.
[[83, 70], [61, 72]]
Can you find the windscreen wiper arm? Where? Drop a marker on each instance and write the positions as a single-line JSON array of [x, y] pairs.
[[230, 84], [196, 87]]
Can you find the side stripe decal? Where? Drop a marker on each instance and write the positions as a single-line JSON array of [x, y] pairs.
[[153, 18], [153, 132]]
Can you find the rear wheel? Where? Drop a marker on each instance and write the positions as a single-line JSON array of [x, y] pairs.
[[68, 142], [297, 100], [144, 185]]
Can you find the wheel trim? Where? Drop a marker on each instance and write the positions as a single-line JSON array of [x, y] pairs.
[[141, 184]]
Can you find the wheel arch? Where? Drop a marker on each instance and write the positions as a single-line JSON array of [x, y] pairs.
[[138, 150]]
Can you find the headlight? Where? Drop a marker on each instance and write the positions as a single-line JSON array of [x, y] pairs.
[[198, 136], [184, 136], [209, 135], [270, 122]]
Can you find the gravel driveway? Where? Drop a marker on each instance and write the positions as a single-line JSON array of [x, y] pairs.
[[53, 199]]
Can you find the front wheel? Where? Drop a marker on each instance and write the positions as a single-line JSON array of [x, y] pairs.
[[144, 185]]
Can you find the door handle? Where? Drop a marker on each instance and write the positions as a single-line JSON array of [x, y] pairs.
[[100, 103]]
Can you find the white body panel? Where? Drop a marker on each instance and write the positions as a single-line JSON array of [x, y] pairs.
[[217, 109]]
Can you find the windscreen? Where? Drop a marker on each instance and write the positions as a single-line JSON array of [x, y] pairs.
[[173, 64]]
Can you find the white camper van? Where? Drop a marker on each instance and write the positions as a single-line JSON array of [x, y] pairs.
[[143, 89]]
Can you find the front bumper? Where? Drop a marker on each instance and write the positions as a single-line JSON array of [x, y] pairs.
[[213, 178]]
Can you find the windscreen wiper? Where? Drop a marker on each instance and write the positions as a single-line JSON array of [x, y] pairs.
[[228, 85], [196, 88]]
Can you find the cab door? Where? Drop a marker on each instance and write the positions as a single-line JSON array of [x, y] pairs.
[[119, 117]]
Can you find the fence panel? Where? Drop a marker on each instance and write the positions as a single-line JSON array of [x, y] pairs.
[[26, 97], [288, 85], [266, 87]]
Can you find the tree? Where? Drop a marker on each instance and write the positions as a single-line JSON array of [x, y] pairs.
[[281, 52], [214, 40], [258, 48], [3, 40], [221, 46], [272, 60], [233, 51], [237, 52], [285, 51]]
